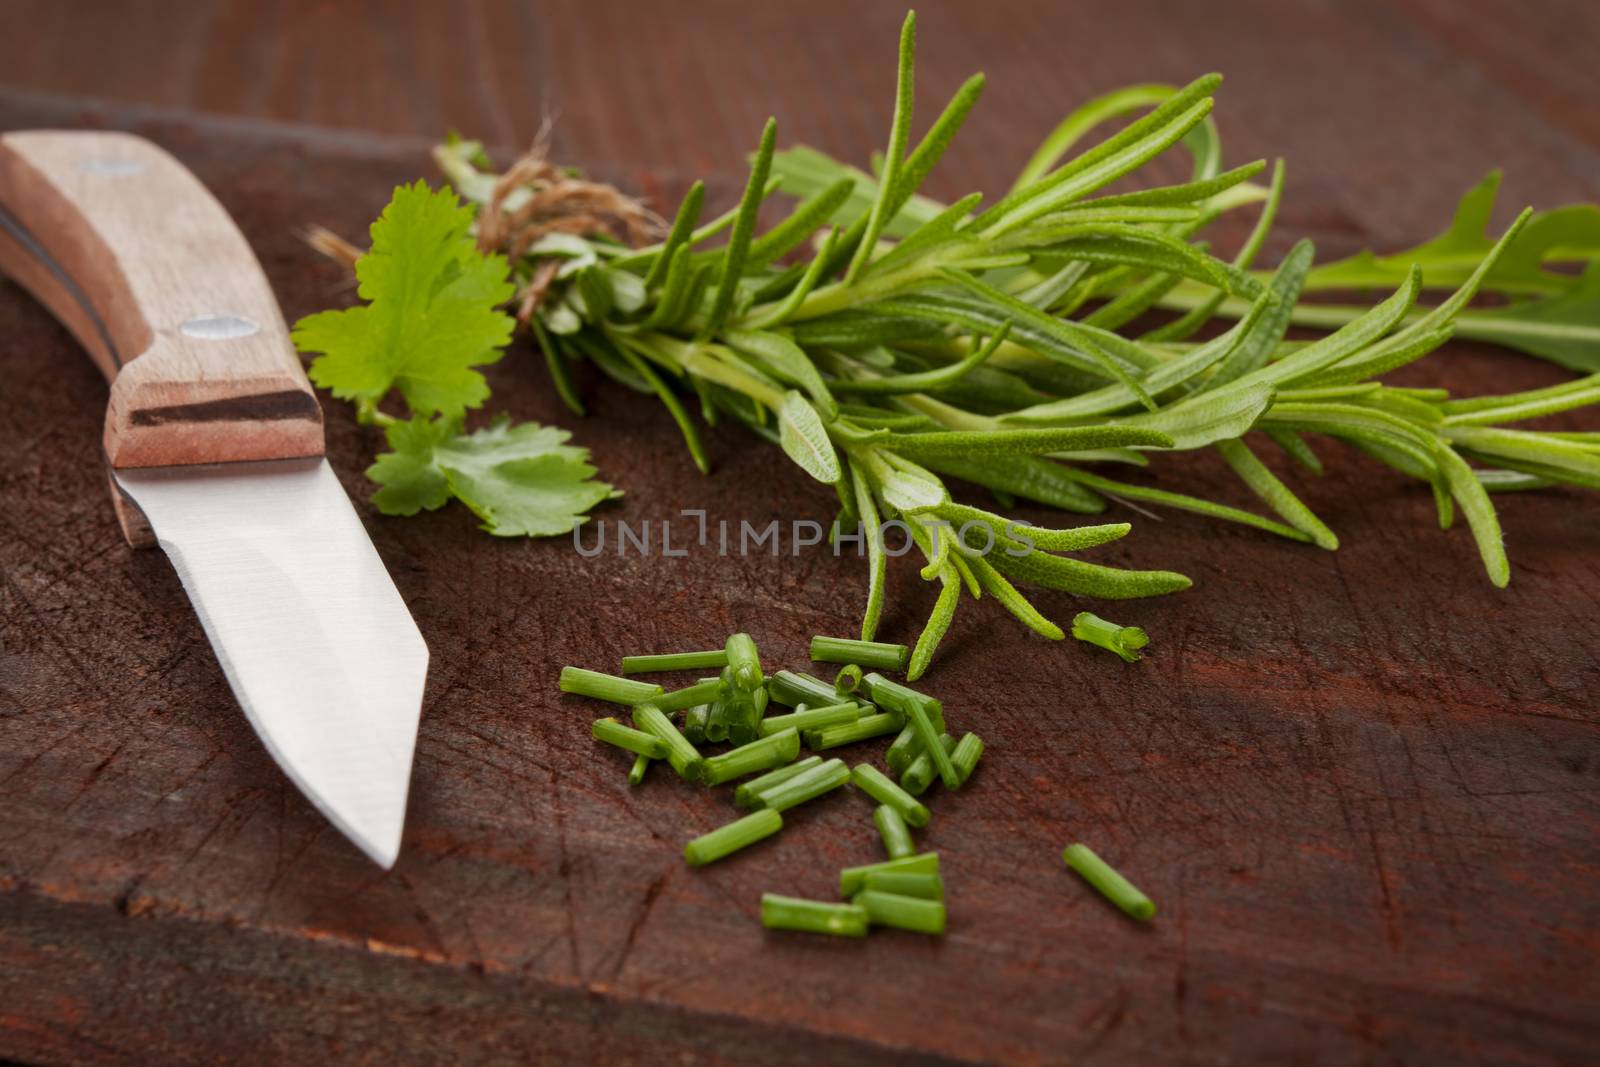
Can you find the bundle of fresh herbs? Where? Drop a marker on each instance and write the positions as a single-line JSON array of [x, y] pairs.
[[913, 342]]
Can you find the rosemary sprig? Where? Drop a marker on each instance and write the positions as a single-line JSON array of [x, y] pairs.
[[989, 345]]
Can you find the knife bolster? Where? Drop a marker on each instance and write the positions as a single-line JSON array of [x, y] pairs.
[[146, 269]]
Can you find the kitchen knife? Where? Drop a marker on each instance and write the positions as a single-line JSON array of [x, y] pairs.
[[213, 439]]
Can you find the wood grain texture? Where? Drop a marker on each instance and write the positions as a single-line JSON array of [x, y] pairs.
[[1361, 785], [153, 270]]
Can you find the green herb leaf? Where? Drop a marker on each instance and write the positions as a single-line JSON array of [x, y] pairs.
[[431, 314], [805, 439], [520, 480]]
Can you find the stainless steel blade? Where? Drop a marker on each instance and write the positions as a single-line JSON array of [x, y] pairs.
[[310, 630]]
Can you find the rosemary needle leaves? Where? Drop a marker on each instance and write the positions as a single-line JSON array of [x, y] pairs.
[[993, 341]]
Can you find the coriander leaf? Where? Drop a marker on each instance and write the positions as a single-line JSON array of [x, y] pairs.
[[409, 480], [1565, 233], [1564, 329], [521, 480], [432, 312]]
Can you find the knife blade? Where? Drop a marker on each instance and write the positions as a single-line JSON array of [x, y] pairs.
[[214, 442]]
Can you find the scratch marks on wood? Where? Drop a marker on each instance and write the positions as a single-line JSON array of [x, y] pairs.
[[646, 903]]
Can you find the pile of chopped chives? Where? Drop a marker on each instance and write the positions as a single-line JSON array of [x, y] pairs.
[[764, 761], [905, 891]]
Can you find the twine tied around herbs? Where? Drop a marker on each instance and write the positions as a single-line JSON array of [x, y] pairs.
[[556, 201], [532, 199]]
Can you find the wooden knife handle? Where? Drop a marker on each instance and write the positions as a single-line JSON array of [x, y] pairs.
[[134, 256]]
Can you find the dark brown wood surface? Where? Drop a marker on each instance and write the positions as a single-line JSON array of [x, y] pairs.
[[1362, 786]]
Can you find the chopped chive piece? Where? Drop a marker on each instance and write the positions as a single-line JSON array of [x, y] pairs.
[[813, 916], [680, 753], [762, 755], [744, 710], [864, 728], [905, 884], [675, 661], [1125, 641], [699, 693], [717, 718], [810, 719], [808, 785], [966, 754], [745, 795], [724, 840], [880, 654], [892, 696], [894, 831], [904, 913], [906, 747], [878, 786], [694, 723], [744, 661], [919, 775], [917, 712], [794, 687], [848, 679], [1115, 888], [641, 764], [851, 879], [606, 686], [613, 732]]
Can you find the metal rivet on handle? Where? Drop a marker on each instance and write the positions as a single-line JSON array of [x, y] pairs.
[[111, 167], [219, 327]]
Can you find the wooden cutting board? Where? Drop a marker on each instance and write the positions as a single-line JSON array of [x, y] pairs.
[[1361, 785]]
